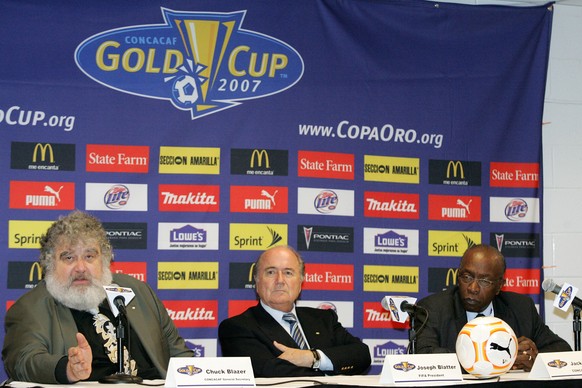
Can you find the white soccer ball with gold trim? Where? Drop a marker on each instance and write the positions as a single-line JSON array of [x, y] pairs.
[[486, 347]]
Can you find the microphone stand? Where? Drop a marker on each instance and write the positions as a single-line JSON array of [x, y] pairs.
[[412, 334], [120, 377], [576, 326]]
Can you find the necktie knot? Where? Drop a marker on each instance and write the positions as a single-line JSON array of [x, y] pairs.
[[480, 315], [290, 318]]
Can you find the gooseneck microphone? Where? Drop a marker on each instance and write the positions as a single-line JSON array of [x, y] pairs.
[[548, 285], [119, 302]]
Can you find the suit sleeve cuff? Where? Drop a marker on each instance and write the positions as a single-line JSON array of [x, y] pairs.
[[61, 371]]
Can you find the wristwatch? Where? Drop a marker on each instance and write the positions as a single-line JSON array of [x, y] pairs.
[[316, 359]]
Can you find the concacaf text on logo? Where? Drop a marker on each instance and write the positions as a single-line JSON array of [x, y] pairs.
[[202, 62]]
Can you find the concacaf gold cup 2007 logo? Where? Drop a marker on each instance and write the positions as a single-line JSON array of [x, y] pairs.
[[202, 62]]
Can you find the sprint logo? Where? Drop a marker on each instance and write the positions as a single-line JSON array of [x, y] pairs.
[[202, 62]]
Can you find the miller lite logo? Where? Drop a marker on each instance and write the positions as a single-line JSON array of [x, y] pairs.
[[326, 201], [116, 197]]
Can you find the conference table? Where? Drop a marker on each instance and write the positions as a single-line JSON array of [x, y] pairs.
[[509, 380]]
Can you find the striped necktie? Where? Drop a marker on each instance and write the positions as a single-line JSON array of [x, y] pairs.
[[294, 328]]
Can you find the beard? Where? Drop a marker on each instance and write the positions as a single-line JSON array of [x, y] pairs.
[[83, 298]]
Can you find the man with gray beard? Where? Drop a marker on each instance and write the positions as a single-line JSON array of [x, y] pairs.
[[63, 330]]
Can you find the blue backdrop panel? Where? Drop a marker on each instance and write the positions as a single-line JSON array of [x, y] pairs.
[[381, 138]]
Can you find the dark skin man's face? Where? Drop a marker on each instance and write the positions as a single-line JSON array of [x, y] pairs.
[[479, 264]]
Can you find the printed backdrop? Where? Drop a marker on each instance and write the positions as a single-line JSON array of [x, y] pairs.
[[379, 138]]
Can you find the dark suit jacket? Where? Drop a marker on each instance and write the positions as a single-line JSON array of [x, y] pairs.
[[447, 317], [40, 330], [252, 334]]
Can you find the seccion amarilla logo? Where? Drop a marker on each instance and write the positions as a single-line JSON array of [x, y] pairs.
[[203, 62]]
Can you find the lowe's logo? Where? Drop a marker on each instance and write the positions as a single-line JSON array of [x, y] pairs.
[[202, 62]]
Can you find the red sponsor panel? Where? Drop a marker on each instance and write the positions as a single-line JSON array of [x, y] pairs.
[[523, 280], [193, 313], [454, 208], [42, 195], [514, 175], [331, 165], [391, 205], [9, 304], [335, 277], [259, 199], [137, 269], [189, 198], [117, 158], [376, 317], [236, 307]]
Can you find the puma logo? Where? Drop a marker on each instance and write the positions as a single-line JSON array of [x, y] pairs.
[[50, 190]]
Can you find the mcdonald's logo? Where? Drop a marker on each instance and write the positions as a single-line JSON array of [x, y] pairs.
[[456, 167], [259, 155], [43, 150], [35, 267], [251, 270], [451, 278]]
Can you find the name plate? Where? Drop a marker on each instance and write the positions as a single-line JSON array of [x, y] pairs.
[[210, 371], [557, 364], [406, 368]]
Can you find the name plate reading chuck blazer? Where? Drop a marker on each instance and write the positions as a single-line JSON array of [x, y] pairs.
[[210, 371]]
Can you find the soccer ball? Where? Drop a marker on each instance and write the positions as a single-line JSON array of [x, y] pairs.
[[185, 90], [486, 347]]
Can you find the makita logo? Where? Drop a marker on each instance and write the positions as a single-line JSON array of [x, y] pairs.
[[391, 206], [197, 314], [188, 199]]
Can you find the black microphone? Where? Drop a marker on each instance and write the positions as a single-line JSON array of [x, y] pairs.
[[408, 307], [119, 302], [548, 285]]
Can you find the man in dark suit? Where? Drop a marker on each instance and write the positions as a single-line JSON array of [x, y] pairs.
[[478, 291], [263, 333]]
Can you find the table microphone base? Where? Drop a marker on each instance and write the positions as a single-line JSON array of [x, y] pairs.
[[120, 378]]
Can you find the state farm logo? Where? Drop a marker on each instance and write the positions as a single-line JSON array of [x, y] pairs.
[[332, 202], [376, 317], [391, 205], [193, 313], [117, 158], [136, 269], [525, 175], [258, 199], [42, 195], [325, 165], [454, 208], [522, 280], [116, 196], [336, 277], [188, 198]]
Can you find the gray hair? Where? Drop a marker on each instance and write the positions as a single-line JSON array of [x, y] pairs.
[[73, 227]]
